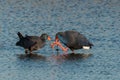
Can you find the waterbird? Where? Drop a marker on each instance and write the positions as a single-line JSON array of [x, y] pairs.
[[31, 43], [72, 39]]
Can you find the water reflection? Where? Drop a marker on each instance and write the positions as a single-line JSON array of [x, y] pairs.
[[58, 57], [33, 56], [71, 56]]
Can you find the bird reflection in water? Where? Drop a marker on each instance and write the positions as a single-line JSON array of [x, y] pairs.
[[33, 56], [59, 58], [71, 56]]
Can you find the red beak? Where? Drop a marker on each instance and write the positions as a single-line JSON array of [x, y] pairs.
[[56, 39]]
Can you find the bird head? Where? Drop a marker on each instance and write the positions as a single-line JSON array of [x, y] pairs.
[[45, 36]]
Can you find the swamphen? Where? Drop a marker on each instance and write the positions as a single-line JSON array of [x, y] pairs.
[[31, 43], [72, 39]]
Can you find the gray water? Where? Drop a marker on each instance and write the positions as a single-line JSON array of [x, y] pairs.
[[98, 20]]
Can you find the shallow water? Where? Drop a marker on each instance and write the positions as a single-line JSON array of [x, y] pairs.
[[98, 20]]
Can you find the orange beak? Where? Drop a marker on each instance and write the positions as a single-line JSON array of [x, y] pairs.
[[49, 38]]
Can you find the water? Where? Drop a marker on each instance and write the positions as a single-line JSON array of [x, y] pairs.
[[98, 20]]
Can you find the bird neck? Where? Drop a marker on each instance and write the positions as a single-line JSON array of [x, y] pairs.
[[43, 39]]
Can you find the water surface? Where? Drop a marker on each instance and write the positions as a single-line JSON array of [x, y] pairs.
[[98, 20]]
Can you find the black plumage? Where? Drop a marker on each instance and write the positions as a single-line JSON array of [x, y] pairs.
[[74, 40], [31, 43]]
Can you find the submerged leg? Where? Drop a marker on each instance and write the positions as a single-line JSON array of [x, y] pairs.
[[57, 50], [26, 51], [30, 52], [31, 49], [73, 52]]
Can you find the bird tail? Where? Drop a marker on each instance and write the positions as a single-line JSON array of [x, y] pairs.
[[20, 35], [91, 44]]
